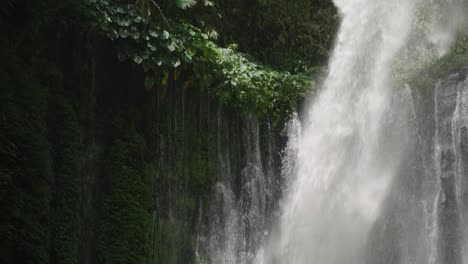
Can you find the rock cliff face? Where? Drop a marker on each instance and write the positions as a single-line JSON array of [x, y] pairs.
[[451, 120], [92, 162]]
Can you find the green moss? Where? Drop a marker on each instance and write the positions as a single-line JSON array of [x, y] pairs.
[[174, 235], [126, 218], [25, 170], [66, 222], [426, 79]]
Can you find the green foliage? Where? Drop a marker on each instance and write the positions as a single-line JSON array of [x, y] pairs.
[[157, 43], [421, 65], [288, 34], [461, 46], [154, 42], [426, 79], [253, 86], [423, 53]]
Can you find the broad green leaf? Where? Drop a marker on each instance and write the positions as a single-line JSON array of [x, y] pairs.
[[136, 35], [123, 22], [137, 59], [176, 64], [171, 47], [184, 4], [153, 33], [165, 34]]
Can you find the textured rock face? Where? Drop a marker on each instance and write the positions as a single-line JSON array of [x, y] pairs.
[[425, 218], [448, 97]]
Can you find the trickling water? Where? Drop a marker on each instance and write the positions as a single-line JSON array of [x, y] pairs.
[[289, 166], [239, 219], [451, 102], [422, 218]]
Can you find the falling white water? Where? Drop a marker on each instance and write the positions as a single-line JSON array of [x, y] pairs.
[[238, 221], [352, 141]]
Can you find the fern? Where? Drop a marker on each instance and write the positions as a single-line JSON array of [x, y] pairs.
[[184, 4]]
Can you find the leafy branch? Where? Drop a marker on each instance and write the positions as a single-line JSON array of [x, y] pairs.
[[158, 43]]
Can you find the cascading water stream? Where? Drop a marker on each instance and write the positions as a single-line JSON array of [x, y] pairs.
[[353, 139]]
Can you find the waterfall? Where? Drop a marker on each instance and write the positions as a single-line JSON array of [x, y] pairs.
[[353, 137], [357, 140], [370, 173]]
